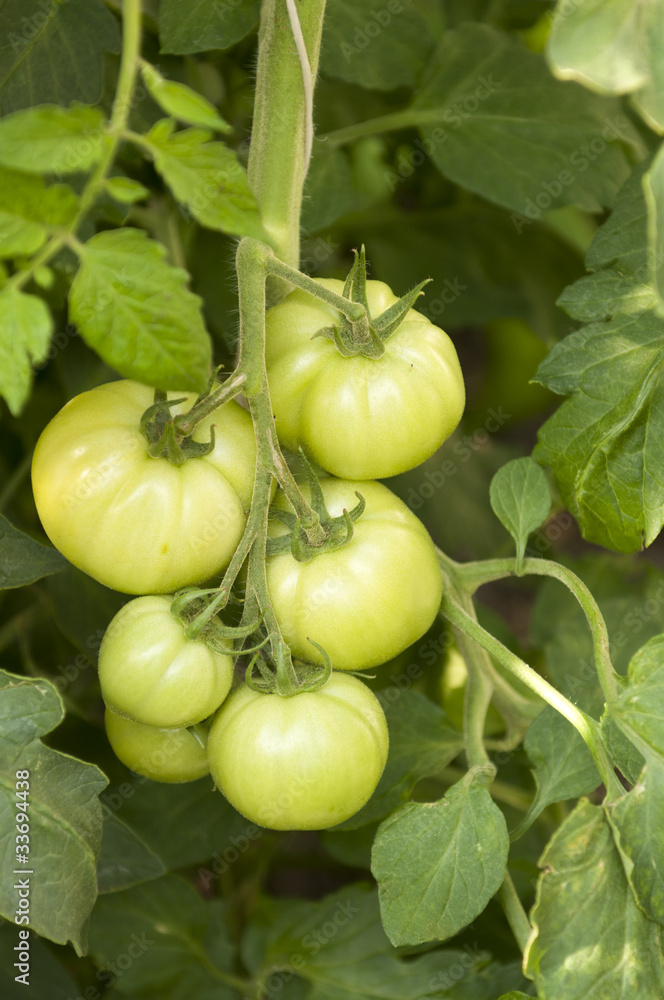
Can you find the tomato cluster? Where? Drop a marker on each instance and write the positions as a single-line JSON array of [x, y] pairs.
[[138, 522]]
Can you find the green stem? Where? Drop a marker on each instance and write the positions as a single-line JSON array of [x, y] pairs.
[[278, 156], [473, 575], [186, 423], [393, 122], [478, 691], [500, 790], [584, 724], [353, 311], [514, 911]]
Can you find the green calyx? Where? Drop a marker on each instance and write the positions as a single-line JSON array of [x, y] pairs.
[[338, 530], [164, 441], [197, 614], [272, 678], [170, 436], [368, 335]]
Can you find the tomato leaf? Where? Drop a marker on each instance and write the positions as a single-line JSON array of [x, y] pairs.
[[622, 751], [23, 560], [438, 864], [600, 45], [53, 52], [27, 207], [611, 47], [603, 443], [64, 815], [638, 819], [124, 859], [585, 908], [339, 946], [52, 140], [376, 48], [178, 941], [134, 309], [204, 24], [206, 178], [182, 102], [48, 980], [561, 763], [521, 500], [26, 326], [494, 120], [125, 190], [639, 708]]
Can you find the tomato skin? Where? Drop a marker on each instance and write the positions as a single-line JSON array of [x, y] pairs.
[[370, 599], [151, 673], [301, 763], [135, 523], [170, 755], [357, 417]]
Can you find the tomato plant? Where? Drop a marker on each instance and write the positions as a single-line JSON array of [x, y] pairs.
[[389, 412], [300, 763], [271, 728], [97, 489], [150, 672]]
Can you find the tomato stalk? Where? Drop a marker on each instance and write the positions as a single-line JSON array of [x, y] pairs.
[[473, 575], [585, 725], [282, 123]]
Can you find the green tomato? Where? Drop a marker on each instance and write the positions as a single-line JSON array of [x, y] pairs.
[[151, 673], [368, 600], [171, 755], [357, 417], [135, 523], [301, 763]]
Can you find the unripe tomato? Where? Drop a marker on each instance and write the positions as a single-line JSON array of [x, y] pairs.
[[151, 673], [300, 763], [368, 600], [171, 755], [135, 523], [358, 417]]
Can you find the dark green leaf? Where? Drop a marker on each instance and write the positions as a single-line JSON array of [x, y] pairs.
[[591, 940], [521, 500], [376, 46], [25, 332], [83, 608], [47, 979], [340, 947], [639, 819], [422, 744], [438, 864], [202, 826], [124, 860], [561, 762], [53, 52], [52, 140], [204, 24], [495, 121], [206, 178], [624, 754], [165, 940], [23, 560], [64, 815], [135, 310]]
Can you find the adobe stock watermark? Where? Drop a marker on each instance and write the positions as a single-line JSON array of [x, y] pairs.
[[463, 448], [579, 161], [453, 117]]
